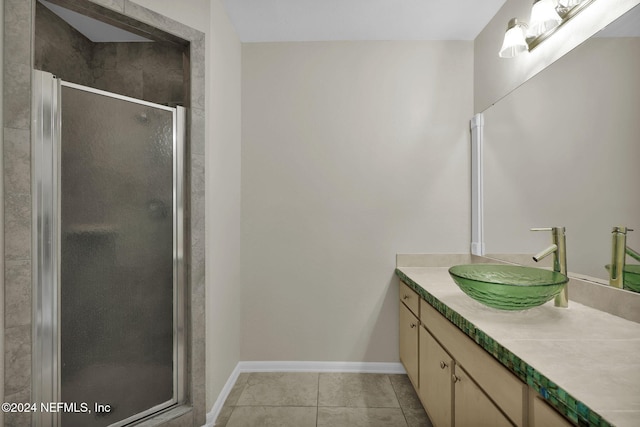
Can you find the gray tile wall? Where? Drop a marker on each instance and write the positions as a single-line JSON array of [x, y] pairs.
[[18, 54], [17, 205], [60, 49], [149, 71], [152, 71]]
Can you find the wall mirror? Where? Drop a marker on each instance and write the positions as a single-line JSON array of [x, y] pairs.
[[563, 149]]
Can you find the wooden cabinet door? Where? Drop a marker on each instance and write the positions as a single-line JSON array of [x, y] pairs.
[[409, 326], [544, 415], [502, 387], [472, 407], [436, 367]]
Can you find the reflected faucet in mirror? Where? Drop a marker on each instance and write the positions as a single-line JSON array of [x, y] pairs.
[[559, 250], [619, 251]]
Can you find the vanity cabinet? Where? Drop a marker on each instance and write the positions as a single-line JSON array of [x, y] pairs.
[[409, 325], [448, 389], [457, 381], [484, 391], [436, 370]]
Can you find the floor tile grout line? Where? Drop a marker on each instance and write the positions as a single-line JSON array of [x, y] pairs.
[[360, 407], [396, 388], [315, 406], [393, 387], [318, 399], [234, 405], [266, 405]]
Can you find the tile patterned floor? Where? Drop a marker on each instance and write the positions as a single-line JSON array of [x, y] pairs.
[[270, 399]]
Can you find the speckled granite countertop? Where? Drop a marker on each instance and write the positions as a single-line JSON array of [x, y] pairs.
[[583, 361]]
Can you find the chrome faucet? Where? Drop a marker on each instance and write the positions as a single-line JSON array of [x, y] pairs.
[[559, 250], [619, 250]]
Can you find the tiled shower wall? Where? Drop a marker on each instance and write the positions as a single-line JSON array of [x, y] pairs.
[[17, 206], [18, 63], [60, 49], [152, 71]]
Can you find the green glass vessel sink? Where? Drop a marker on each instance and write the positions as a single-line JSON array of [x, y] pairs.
[[631, 277], [508, 287]]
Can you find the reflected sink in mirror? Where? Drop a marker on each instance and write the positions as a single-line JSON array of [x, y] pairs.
[[508, 287], [631, 280]]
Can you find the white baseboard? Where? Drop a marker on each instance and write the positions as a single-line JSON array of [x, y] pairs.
[[293, 366], [212, 415]]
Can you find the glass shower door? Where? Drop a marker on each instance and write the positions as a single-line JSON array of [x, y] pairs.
[[119, 244]]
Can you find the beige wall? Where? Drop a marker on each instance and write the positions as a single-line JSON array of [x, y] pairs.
[[494, 77], [223, 203], [563, 149], [351, 153]]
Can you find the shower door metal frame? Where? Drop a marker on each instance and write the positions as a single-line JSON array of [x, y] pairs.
[[46, 248]]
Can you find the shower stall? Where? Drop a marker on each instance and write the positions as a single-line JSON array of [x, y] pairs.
[[109, 296]]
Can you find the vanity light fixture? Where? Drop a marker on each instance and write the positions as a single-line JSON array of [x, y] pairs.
[[546, 17], [543, 17], [569, 3], [514, 41]]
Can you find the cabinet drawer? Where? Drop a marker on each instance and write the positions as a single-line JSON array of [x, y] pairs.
[[504, 388], [410, 298]]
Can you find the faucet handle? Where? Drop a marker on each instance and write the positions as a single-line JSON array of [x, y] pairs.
[[621, 229], [556, 231]]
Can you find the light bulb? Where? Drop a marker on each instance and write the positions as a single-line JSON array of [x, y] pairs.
[[514, 42], [543, 18]]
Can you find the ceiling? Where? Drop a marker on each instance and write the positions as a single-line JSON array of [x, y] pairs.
[[324, 20]]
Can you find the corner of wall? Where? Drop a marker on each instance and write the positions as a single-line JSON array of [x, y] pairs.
[[222, 157]]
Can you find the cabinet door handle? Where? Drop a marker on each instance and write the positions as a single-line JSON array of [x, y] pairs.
[[455, 378], [443, 365], [413, 325], [405, 296]]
